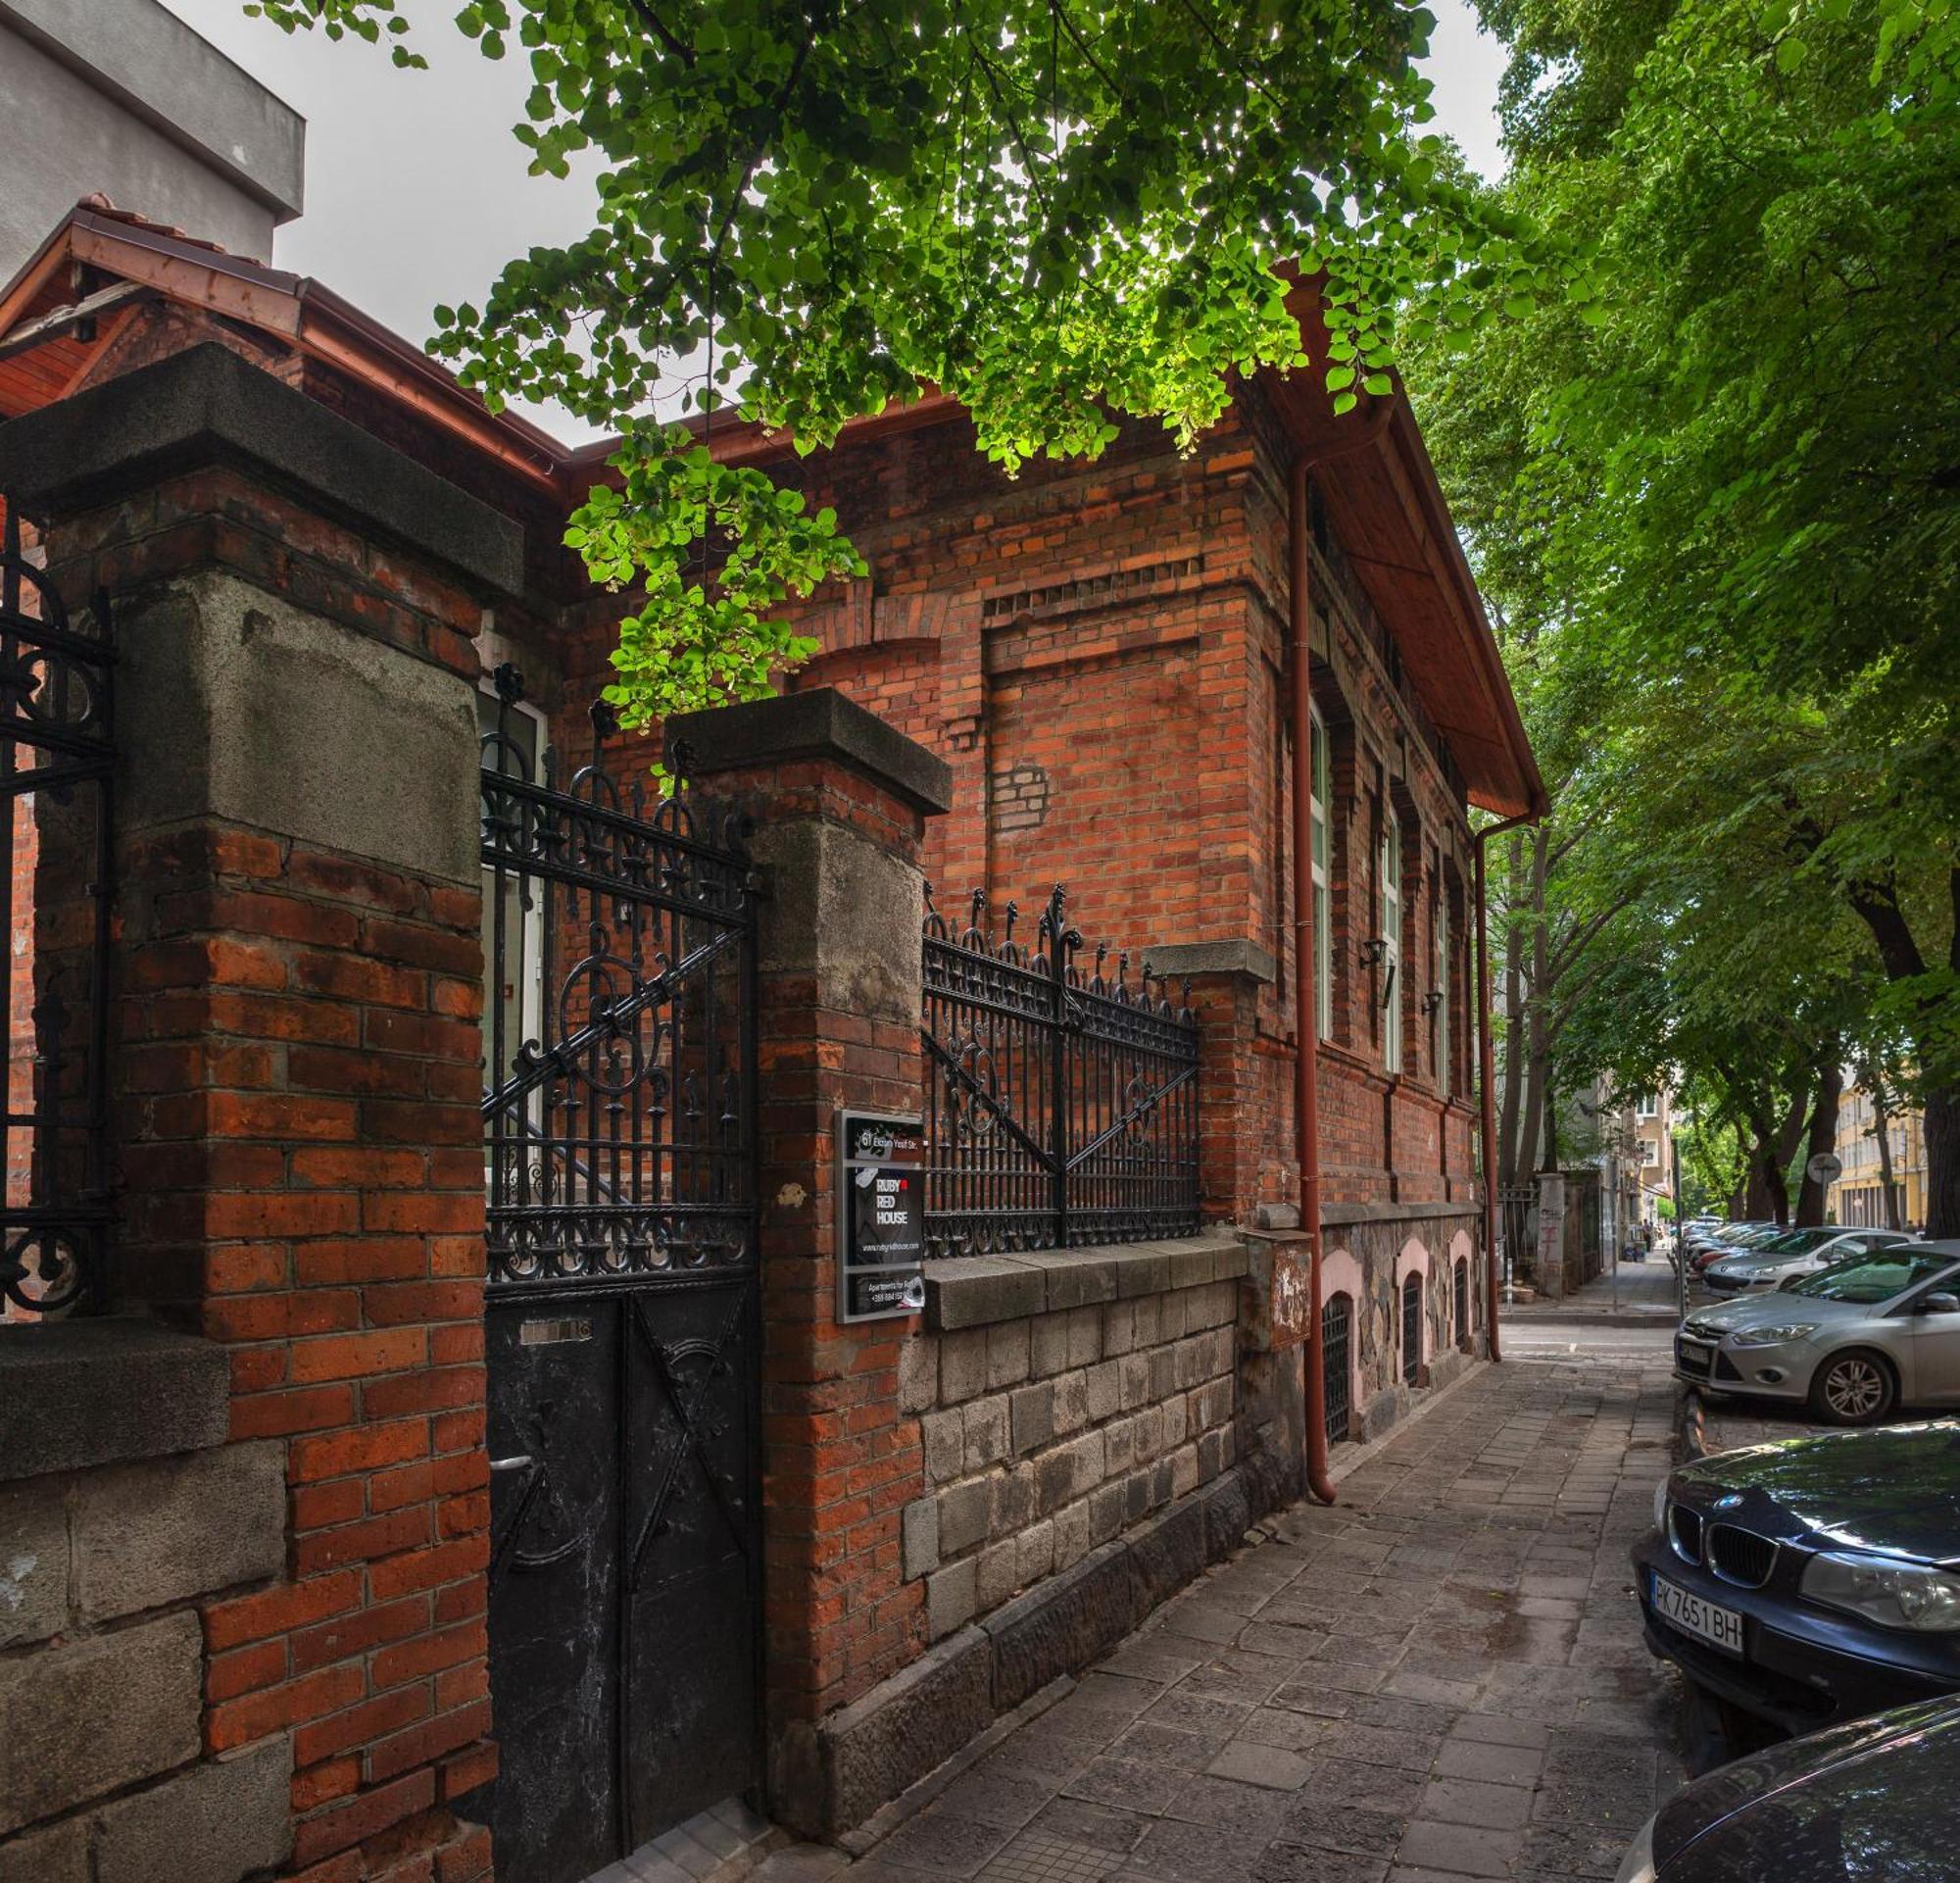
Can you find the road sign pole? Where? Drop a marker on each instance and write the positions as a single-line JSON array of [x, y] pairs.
[[1680, 1237]]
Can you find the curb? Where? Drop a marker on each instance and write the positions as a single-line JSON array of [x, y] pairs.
[[1627, 1317], [1690, 1426]]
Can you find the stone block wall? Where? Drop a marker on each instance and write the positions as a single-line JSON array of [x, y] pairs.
[[1049, 1428], [114, 1532], [1370, 1254]]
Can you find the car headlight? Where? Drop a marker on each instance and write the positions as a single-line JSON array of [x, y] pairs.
[[1637, 1866], [1894, 1595], [1773, 1336]]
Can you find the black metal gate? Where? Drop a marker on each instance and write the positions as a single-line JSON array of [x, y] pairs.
[[1336, 1319], [1062, 1107], [1462, 1303], [1411, 1329], [57, 760], [622, 1308]]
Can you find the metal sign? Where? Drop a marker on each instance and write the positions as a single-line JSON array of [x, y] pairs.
[[880, 1215], [1825, 1168]]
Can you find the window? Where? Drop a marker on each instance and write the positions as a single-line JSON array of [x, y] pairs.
[[515, 1012], [1649, 1109], [1440, 1016], [1319, 796], [1392, 941]]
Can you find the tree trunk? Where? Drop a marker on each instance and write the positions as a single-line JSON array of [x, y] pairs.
[[1511, 1154], [1881, 1120], [1537, 1114], [1810, 1195], [1943, 1162], [1772, 1146], [1878, 906]]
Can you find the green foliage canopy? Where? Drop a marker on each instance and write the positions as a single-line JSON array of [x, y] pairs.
[[1058, 211], [1719, 508]]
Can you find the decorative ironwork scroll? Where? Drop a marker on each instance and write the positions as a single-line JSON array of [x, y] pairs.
[[57, 755], [618, 1029], [1062, 1105]]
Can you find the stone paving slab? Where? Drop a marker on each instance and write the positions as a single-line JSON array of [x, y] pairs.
[[1440, 1678]]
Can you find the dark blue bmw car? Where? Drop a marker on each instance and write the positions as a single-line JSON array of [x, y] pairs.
[[1814, 1578]]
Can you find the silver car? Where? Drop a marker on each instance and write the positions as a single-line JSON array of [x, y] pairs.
[[1802, 1252], [1863, 1337]]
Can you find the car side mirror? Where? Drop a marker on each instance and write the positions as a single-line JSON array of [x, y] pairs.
[[1940, 1304]]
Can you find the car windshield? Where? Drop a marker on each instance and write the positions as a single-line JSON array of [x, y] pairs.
[[1796, 1243], [1873, 1279]]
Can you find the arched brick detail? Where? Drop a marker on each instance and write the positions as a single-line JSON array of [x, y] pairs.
[[1463, 1250], [1415, 1260], [1342, 1274]]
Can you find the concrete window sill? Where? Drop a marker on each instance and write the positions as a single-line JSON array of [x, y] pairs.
[[970, 1291]]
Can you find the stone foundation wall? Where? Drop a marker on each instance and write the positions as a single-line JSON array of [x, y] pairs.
[[1063, 1400], [1086, 1454], [1370, 1253], [125, 1514]]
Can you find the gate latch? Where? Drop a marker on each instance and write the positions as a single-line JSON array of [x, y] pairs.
[[521, 1462]]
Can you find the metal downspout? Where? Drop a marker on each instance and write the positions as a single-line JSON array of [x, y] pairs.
[[1305, 1007]]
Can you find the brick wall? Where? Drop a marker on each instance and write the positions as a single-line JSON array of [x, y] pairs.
[[295, 1067], [1103, 666]]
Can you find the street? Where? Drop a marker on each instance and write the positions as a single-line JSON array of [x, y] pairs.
[[1439, 1677]]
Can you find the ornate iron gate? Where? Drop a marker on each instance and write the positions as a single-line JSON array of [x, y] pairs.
[[1411, 1329], [57, 758], [1336, 1319], [621, 1305], [1061, 1108]]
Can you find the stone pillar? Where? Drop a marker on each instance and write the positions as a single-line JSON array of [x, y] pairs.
[[296, 1047], [840, 802]]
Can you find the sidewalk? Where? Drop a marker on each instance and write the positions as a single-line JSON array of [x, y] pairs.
[[1645, 1291], [1441, 1678]]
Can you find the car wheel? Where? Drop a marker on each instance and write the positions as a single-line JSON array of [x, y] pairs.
[[1854, 1388]]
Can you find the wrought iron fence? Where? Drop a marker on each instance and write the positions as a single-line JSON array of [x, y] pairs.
[[1517, 1229], [619, 1031], [1062, 1107], [56, 752]]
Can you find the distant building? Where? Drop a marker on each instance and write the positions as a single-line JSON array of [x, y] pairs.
[[1858, 1197], [1649, 1128], [120, 98]]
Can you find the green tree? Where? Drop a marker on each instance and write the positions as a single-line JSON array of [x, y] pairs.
[[1059, 210], [1728, 493]]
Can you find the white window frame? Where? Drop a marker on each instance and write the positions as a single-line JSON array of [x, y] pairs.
[[1390, 871], [1441, 950], [530, 1001], [1319, 795]]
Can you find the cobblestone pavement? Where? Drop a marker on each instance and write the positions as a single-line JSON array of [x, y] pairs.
[[1442, 1677]]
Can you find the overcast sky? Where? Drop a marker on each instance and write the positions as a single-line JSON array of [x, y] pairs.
[[416, 193]]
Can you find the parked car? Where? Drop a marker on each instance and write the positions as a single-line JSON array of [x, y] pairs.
[[1705, 1231], [1853, 1342], [1802, 1252], [1737, 1238], [1873, 1802], [1806, 1581]]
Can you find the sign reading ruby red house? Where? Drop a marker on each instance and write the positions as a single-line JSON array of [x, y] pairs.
[[881, 1217]]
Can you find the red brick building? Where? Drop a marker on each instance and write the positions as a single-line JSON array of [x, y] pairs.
[[1100, 654]]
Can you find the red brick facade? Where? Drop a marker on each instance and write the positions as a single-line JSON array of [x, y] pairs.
[[1099, 653], [296, 1067]]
